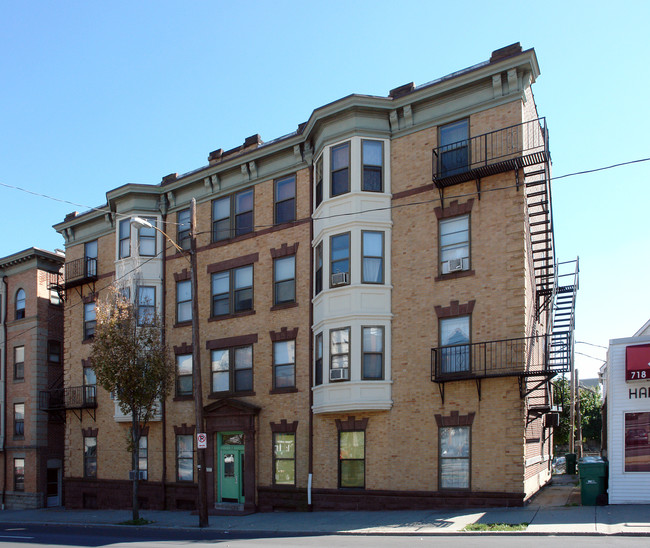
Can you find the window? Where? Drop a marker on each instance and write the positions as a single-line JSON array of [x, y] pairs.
[[90, 388], [284, 280], [125, 238], [55, 298], [185, 457], [143, 457], [284, 458], [454, 338], [285, 200], [637, 450], [232, 216], [340, 259], [20, 304], [319, 269], [90, 255], [184, 375], [89, 320], [147, 238], [54, 352], [19, 474], [373, 161], [373, 353], [19, 419], [454, 457], [146, 305], [340, 169], [183, 236], [184, 301], [319, 181], [232, 369], [232, 291], [90, 456], [454, 152], [318, 352], [352, 459], [19, 362], [340, 354], [373, 257], [454, 244], [284, 364]]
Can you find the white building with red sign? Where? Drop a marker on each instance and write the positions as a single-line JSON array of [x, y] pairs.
[[627, 396]]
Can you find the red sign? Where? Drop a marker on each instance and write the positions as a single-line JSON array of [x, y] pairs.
[[637, 362]]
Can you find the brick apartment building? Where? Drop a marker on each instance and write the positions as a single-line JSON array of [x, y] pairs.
[[376, 294], [31, 345]]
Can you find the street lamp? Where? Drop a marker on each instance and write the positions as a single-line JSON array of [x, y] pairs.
[[197, 388]]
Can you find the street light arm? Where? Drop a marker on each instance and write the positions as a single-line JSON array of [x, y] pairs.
[[139, 222]]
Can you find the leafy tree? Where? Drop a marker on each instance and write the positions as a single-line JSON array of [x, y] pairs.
[[130, 360], [590, 412]]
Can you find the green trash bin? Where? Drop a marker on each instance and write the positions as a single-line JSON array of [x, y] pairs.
[[570, 463], [593, 480]]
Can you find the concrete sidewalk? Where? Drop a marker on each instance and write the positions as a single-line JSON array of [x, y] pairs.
[[552, 511]]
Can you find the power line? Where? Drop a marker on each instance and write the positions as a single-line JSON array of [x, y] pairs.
[[591, 344]]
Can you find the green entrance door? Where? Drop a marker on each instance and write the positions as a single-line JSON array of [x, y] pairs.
[[230, 479]]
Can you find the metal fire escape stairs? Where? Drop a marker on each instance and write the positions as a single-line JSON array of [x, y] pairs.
[[556, 286]]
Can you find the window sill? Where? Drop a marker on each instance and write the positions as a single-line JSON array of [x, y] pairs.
[[18, 438], [222, 395], [88, 340], [287, 390], [183, 324], [230, 316], [21, 379], [283, 306], [184, 397], [454, 275]]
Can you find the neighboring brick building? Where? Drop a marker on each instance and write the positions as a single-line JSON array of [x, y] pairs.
[[369, 338], [31, 344]]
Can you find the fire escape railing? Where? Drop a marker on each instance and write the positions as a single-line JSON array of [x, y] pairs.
[[513, 147], [525, 356], [72, 397], [80, 271]]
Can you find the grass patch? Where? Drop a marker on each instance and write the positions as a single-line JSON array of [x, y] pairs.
[[139, 521], [496, 527]]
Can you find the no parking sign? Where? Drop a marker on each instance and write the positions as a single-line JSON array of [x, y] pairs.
[[202, 441]]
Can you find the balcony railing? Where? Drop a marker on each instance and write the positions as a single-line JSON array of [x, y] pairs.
[[73, 397], [80, 271], [513, 147], [526, 356]]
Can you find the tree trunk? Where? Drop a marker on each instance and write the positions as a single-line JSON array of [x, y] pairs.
[[135, 437]]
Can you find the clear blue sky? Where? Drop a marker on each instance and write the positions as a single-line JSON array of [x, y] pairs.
[[94, 95]]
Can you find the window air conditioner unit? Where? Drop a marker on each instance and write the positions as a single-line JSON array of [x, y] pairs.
[[142, 475], [340, 278], [455, 265], [342, 374]]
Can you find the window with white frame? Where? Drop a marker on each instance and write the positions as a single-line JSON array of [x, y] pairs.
[[143, 455], [90, 320], [183, 235], [184, 301], [340, 354], [454, 244], [340, 169], [454, 457], [124, 238], [318, 265], [284, 458], [340, 259], [185, 457], [352, 458], [319, 181], [90, 456], [372, 249], [90, 256], [19, 420], [19, 362], [373, 353], [146, 304], [147, 238], [318, 354], [372, 153]]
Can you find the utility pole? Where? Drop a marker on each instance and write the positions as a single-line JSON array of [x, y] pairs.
[[572, 411], [197, 386], [578, 416]]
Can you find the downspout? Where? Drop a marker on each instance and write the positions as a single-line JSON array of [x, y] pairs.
[[311, 337], [3, 382]]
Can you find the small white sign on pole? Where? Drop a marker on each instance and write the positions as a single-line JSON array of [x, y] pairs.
[[202, 440]]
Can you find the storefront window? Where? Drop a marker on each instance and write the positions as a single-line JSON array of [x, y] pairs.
[[637, 450]]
